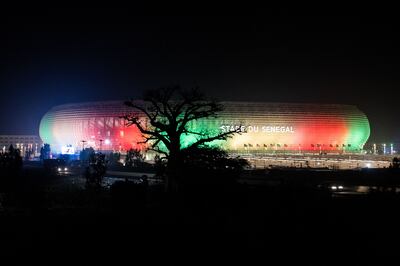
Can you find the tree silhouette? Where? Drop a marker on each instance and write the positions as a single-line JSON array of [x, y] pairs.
[[396, 162], [168, 113], [113, 159], [86, 154], [96, 169], [210, 165], [10, 162], [45, 152], [134, 158]]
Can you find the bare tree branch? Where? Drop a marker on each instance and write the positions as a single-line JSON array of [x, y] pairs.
[[194, 133], [147, 139], [133, 120], [151, 115], [221, 136], [159, 151]]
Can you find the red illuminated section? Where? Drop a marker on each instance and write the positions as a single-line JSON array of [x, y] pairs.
[[100, 133], [320, 132], [117, 137], [325, 128], [129, 137]]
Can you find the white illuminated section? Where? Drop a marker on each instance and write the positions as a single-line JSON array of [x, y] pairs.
[[368, 165], [107, 142]]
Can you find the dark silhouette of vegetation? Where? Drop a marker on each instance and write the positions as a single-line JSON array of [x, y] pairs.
[[134, 158], [10, 162], [85, 155], [126, 194], [160, 164], [45, 152], [168, 114], [210, 166], [113, 159], [28, 154], [96, 169], [396, 163]]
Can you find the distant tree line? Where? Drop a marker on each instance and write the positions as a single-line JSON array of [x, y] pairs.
[[10, 161], [45, 152]]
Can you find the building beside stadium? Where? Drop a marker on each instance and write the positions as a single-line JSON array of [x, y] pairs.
[[266, 127], [24, 143]]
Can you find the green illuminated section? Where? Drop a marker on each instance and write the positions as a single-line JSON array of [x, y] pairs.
[[45, 129], [358, 133], [206, 127]]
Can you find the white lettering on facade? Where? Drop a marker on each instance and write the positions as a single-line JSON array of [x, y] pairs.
[[263, 129]]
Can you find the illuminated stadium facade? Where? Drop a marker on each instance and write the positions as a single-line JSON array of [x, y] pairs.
[[267, 127]]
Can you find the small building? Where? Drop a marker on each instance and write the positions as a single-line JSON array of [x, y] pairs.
[[25, 143]]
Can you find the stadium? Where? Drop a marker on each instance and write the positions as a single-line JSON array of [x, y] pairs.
[[266, 127]]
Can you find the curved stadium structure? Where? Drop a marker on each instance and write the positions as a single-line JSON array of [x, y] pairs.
[[267, 127]]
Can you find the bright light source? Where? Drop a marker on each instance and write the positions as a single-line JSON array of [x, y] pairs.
[[68, 149], [59, 169], [65, 169], [340, 187], [368, 165], [107, 141], [333, 187]]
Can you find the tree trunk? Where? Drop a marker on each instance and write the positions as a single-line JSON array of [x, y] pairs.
[[172, 183], [174, 165]]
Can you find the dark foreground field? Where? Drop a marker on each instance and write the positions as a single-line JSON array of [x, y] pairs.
[[279, 217]]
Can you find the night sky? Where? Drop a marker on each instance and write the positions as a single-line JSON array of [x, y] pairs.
[[60, 56]]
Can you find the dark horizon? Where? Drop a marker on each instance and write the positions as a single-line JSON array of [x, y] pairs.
[[65, 55]]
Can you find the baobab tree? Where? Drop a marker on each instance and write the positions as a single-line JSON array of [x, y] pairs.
[[164, 117]]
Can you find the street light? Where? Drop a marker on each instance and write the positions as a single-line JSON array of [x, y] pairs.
[[83, 144], [101, 144]]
